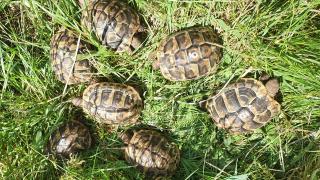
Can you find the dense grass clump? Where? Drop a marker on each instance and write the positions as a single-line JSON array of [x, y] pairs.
[[278, 37]]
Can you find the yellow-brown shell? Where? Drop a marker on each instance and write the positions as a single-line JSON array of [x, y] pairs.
[[113, 22], [69, 139], [151, 152], [243, 106], [64, 60], [190, 54], [112, 103]]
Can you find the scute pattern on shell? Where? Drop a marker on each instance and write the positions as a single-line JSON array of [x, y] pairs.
[[243, 106], [112, 103], [190, 54], [69, 139], [113, 22], [63, 58], [152, 153]]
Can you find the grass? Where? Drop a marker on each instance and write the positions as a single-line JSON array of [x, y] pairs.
[[279, 37]]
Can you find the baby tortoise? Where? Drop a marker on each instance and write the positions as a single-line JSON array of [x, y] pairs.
[[245, 105], [189, 54], [115, 24], [64, 60], [151, 152], [68, 139], [111, 103]]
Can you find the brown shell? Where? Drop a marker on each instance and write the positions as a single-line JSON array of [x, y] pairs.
[[190, 54], [112, 103], [151, 152], [243, 106], [114, 23], [66, 66], [69, 139]]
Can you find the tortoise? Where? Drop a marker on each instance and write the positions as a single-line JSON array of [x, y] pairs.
[[115, 24], [245, 105], [151, 152], [64, 60], [189, 54], [70, 138], [111, 103]]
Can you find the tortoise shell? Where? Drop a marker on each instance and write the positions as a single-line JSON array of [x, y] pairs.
[[68, 139], [190, 54], [243, 106], [111, 103], [64, 60], [115, 24], [151, 152]]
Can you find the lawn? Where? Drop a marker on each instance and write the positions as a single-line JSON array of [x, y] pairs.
[[281, 38]]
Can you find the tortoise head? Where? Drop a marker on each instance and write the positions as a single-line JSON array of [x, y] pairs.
[[272, 84], [273, 87]]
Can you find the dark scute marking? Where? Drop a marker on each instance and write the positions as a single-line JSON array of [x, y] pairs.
[[95, 14], [209, 37], [115, 9], [220, 105], [96, 6], [123, 31], [245, 114], [232, 99], [169, 45], [124, 28], [128, 12], [182, 41], [122, 16], [265, 117], [165, 60], [105, 30], [128, 101], [175, 73], [206, 51], [260, 104], [63, 36], [117, 98], [114, 109], [181, 57], [237, 123], [196, 37], [189, 72], [154, 141], [203, 68], [214, 59], [112, 25], [105, 95], [246, 94]]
